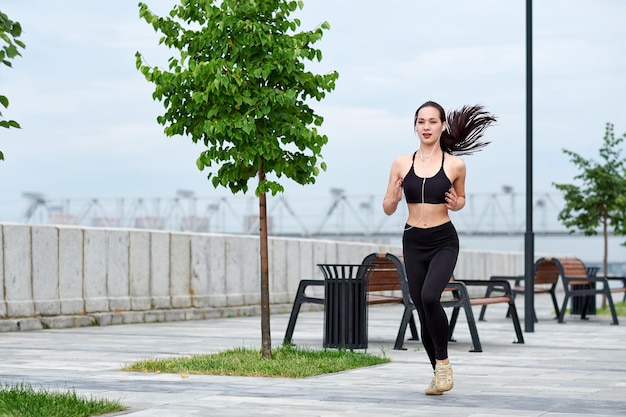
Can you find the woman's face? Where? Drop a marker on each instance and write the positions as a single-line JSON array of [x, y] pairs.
[[429, 125]]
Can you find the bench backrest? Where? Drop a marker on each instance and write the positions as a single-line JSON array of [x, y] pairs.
[[388, 274], [572, 270], [384, 276], [574, 267], [546, 271]]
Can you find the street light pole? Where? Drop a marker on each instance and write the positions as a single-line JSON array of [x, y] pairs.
[[529, 236]]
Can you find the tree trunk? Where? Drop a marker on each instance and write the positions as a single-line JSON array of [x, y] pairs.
[[605, 259], [266, 339]]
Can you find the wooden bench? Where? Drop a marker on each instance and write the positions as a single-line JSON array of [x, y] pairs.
[[389, 275], [546, 277], [461, 298], [577, 282]]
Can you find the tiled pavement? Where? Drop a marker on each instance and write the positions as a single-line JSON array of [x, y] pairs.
[[572, 369]]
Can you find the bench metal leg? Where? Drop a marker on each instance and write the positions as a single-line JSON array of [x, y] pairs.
[[407, 319], [295, 310], [301, 298], [555, 304], [563, 307], [469, 315], [609, 297], [413, 327], [483, 309], [471, 323], [516, 324], [452, 323]]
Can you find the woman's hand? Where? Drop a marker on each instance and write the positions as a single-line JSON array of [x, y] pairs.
[[397, 191], [393, 196], [453, 200]]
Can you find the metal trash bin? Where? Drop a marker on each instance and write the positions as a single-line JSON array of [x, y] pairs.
[[345, 305], [578, 303]]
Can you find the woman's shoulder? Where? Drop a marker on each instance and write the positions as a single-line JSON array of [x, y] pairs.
[[403, 159], [406, 156], [455, 161], [402, 163]]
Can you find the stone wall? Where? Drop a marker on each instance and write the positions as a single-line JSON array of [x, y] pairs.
[[63, 276]]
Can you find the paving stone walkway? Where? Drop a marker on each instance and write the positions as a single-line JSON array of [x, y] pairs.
[[572, 369]]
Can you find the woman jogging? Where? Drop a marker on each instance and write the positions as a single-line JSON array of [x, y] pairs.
[[433, 181]]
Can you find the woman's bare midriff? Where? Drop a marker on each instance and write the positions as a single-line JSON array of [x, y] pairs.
[[427, 215]]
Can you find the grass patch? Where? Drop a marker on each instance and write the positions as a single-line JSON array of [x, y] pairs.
[[22, 400], [620, 308], [287, 362]]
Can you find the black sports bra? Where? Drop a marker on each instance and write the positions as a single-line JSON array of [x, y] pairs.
[[435, 187]]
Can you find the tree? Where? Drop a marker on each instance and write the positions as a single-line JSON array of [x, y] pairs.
[[240, 87], [601, 200], [9, 32]]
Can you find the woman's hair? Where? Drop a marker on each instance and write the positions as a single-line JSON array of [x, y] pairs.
[[465, 128]]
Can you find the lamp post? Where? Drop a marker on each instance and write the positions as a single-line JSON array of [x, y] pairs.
[[529, 236]]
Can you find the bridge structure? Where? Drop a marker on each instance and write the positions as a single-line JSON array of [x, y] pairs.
[[337, 214]]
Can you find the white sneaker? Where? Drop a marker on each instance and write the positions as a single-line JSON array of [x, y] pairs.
[[431, 389], [443, 377]]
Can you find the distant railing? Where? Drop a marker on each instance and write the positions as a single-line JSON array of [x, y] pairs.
[[334, 215]]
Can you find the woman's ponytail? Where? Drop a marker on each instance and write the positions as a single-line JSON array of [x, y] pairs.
[[466, 127]]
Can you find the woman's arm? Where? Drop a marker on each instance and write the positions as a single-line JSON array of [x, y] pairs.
[[394, 189], [455, 197]]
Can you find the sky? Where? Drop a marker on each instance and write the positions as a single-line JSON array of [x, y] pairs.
[[89, 122]]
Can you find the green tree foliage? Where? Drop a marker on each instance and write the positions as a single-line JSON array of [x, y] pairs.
[[9, 49], [601, 199], [240, 87]]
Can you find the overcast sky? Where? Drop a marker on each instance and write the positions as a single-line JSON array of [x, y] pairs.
[[88, 119]]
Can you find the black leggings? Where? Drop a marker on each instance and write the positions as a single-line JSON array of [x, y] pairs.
[[430, 256]]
